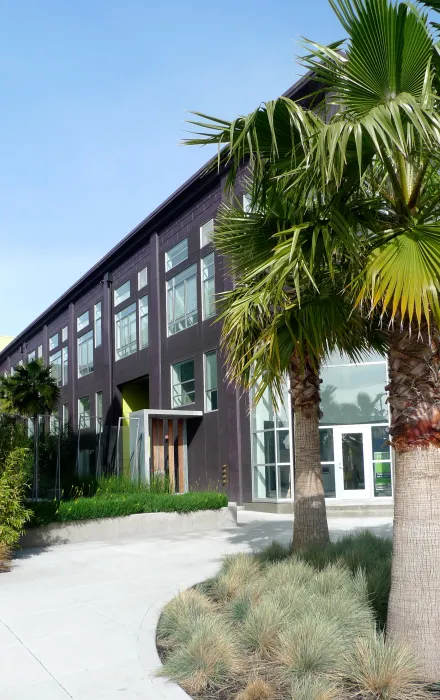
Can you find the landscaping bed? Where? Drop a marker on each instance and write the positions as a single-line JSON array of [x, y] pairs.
[[278, 626], [111, 505]]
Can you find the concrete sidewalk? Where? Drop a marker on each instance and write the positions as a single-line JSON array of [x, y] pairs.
[[78, 621]]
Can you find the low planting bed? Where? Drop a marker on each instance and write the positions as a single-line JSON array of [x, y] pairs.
[[279, 626], [111, 505]]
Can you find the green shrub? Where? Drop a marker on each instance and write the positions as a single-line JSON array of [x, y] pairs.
[[111, 504], [13, 483]]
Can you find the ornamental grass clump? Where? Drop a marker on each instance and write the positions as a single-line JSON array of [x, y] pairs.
[[286, 628], [209, 661]]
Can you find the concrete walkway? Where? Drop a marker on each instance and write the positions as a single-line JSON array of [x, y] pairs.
[[78, 621]]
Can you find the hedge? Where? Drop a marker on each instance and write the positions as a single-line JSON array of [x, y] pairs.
[[115, 505]]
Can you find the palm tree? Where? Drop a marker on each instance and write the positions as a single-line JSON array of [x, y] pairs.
[[31, 391], [264, 341], [382, 135]]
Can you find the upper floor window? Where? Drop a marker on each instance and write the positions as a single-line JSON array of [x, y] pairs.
[[142, 278], [65, 362], [122, 293], [65, 414], [208, 286], [84, 412], [182, 300], [247, 203], [98, 324], [176, 255], [206, 232], [65, 333], [182, 383], [54, 423], [82, 321], [125, 332], [56, 367], [98, 411], [143, 321], [211, 388], [31, 356], [40, 351], [53, 341], [85, 354]]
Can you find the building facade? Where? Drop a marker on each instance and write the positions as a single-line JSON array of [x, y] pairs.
[[138, 333]]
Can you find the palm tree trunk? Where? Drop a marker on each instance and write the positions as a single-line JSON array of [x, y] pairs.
[[310, 518], [36, 475], [414, 396]]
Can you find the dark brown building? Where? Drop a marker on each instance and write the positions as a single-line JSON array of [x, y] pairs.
[[138, 332]]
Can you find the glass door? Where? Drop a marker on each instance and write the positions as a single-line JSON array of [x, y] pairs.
[[353, 472]]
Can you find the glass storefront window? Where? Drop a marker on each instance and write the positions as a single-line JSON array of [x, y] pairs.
[[284, 482], [265, 481], [381, 461], [327, 461], [354, 394], [271, 457]]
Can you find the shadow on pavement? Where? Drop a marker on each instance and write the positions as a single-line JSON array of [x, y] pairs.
[[257, 535]]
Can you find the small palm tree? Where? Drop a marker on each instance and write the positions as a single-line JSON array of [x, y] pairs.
[[264, 340], [31, 391]]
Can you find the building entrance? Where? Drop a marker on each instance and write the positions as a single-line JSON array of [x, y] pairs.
[[356, 462]]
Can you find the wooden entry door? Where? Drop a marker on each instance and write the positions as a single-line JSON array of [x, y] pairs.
[[169, 451]]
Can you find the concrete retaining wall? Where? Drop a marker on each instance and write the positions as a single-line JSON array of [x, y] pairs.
[[144, 524]]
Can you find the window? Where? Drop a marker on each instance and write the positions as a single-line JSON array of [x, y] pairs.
[[65, 414], [65, 361], [142, 278], [206, 232], [82, 321], [208, 286], [143, 321], [381, 461], [354, 393], [247, 200], [98, 324], [98, 411], [122, 293], [85, 354], [84, 412], [182, 300], [53, 341], [56, 367], [182, 384], [211, 391], [125, 332], [271, 458], [31, 356], [54, 423], [40, 351], [176, 255], [65, 333]]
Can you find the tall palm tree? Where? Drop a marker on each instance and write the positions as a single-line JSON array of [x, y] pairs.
[[31, 391], [383, 135]]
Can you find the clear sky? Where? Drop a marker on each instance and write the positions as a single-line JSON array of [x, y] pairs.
[[95, 94]]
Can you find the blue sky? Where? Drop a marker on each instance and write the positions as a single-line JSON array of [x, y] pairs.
[[95, 94]]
